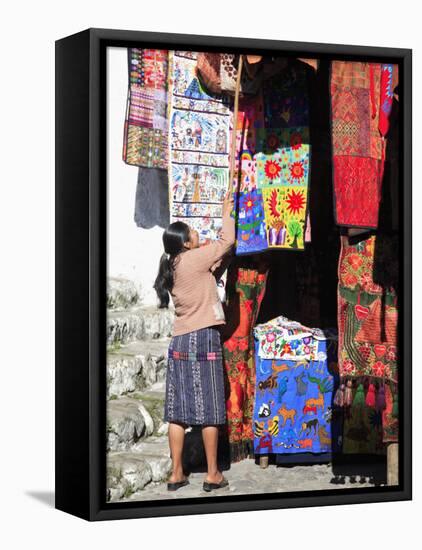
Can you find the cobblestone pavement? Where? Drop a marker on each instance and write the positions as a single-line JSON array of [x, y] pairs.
[[246, 477]]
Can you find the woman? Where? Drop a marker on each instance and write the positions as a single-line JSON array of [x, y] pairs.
[[195, 374]]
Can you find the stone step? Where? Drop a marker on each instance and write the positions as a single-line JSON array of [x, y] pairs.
[[130, 472], [138, 323], [121, 293], [136, 366], [135, 416], [128, 420], [153, 400]]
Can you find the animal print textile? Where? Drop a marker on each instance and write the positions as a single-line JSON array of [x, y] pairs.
[[293, 411]]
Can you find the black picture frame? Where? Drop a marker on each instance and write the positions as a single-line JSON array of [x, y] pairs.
[[81, 276]]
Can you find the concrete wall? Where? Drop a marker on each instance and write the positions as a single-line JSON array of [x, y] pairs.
[[133, 253]]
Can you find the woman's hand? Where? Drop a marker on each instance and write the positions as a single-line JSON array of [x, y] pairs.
[[228, 203]]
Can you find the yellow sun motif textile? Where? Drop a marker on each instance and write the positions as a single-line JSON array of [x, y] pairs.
[[283, 180]]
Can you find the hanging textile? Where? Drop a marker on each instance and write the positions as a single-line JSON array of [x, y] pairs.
[[151, 200], [272, 163], [367, 322], [249, 207], [146, 127], [293, 412], [283, 179], [199, 133], [361, 96], [218, 73], [245, 291]]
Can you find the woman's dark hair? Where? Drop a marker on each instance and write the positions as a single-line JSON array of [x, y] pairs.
[[174, 238]]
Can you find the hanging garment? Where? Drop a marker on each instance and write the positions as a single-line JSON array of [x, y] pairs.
[[146, 126], [361, 95], [272, 163], [293, 412], [199, 162], [151, 201], [245, 288], [218, 73], [367, 322]]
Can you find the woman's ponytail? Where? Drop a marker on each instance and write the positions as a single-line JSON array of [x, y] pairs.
[[164, 281], [174, 239]]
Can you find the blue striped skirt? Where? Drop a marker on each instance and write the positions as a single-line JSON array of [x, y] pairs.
[[195, 379]]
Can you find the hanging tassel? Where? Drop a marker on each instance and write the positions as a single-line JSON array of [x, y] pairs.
[[380, 402], [339, 396], [348, 395], [359, 399], [370, 396], [395, 409]]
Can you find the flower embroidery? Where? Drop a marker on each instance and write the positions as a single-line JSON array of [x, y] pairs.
[[295, 140], [296, 170], [287, 348], [349, 279], [355, 261], [295, 201], [378, 368], [348, 366], [272, 169], [249, 202]]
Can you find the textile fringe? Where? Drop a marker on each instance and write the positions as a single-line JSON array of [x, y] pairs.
[[241, 450]]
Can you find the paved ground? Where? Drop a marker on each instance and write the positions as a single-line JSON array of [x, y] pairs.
[[246, 477]]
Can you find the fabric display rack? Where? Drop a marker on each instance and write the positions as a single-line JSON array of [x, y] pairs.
[[309, 150]]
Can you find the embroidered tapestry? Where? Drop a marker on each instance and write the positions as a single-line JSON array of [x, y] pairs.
[[293, 410], [283, 178], [272, 164], [146, 127], [281, 338], [199, 163], [361, 98], [367, 322], [246, 289]]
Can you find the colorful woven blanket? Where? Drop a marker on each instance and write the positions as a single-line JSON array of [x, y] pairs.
[[146, 127], [361, 99], [199, 163]]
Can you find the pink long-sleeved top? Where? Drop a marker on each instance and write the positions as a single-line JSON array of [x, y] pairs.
[[195, 297]]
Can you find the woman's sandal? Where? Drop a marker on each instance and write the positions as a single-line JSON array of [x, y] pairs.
[[208, 487], [173, 486]]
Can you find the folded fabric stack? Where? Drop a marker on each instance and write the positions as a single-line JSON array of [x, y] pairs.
[[296, 374]]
